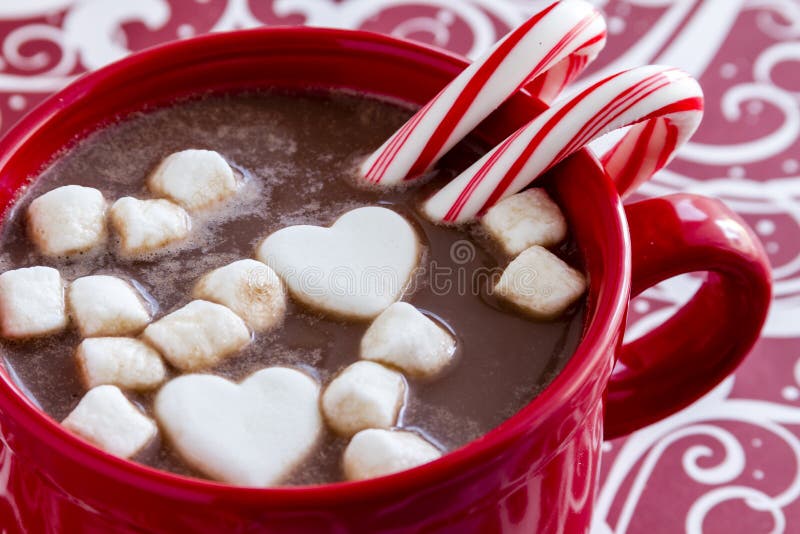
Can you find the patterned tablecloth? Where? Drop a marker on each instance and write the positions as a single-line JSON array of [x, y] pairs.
[[729, 463]]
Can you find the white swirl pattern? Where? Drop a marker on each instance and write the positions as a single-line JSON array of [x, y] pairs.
[[686, 33]]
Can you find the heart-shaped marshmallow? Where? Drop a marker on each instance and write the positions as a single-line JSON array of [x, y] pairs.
[[354, 269], [248, 434]]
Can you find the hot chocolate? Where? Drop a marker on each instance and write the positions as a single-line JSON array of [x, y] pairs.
[[294, 156]]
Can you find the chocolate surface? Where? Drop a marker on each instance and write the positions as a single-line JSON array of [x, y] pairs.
[[296, 153]]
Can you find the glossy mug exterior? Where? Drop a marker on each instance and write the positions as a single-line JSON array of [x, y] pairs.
[[537, 472]]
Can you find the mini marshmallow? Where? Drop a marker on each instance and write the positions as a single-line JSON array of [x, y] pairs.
[[67, 220], [121, 361], [104, 305], [364, 395], [540, 284], [404, 337], [249, 434], [249, 288], [525, 219], [195, 179], [198, 335], [107, 419], [148, 225], [377, 452], [32, 302]]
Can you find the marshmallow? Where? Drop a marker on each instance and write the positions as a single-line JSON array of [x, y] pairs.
[[121, 361], [376, 452], [106, 306], [249, 434], [355, 269], [67, 220], [107, 419], [540, 284], [364, 395], [249, 288], [148, 225], [195, 179], [198, 335], [404, 337], [525, 219], [32, 302]]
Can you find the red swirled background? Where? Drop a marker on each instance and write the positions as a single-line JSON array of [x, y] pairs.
[[730, 462]]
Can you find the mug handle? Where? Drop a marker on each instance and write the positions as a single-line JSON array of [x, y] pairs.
[[673, 365]]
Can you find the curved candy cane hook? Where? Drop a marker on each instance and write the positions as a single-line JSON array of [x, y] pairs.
[[664, 104], [543, 54]]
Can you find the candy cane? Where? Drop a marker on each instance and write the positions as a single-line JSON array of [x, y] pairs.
[[664, 104], [546, 52]]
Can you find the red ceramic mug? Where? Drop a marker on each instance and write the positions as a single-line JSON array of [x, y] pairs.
[[537, 472]]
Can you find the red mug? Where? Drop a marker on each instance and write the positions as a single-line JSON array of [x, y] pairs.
[[538, 471]]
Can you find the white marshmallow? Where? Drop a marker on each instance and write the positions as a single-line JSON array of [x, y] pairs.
[[121, 361], [107, 419], [32, 302], [67, 220], [355, 269], [148, 225], [104, 305], [525, 219], [198, 335], [364, 395], [404, 337], [195, 179], [249, 288], [377, 452], [540, 284], [249, 434]]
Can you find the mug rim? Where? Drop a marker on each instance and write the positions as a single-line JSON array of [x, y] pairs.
[[601, 331]]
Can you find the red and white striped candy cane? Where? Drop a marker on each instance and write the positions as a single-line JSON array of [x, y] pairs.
[[546, 52], [664, 104]]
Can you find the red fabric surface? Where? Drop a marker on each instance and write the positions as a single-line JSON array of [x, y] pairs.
[[731, 462]]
